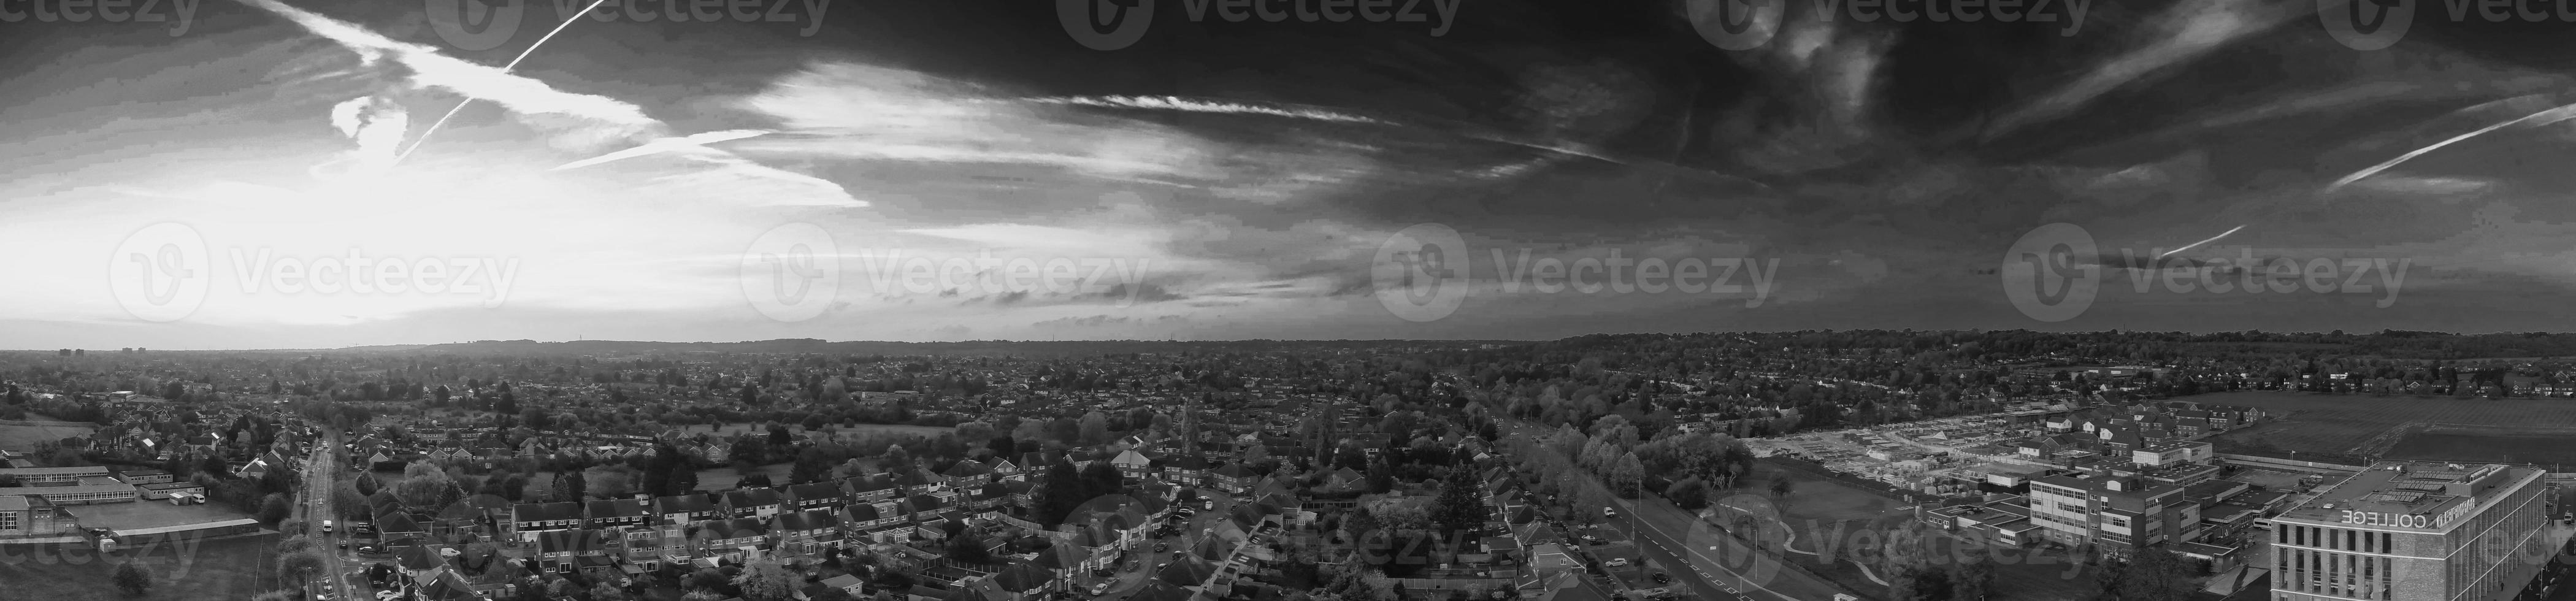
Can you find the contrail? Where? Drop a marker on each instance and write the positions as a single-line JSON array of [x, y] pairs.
[[2197, 244], [2554, 115], [689, 143], [514, 64]]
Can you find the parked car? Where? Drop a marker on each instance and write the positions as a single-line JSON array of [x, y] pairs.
[[1103, 587], [1663, 578], [1609, 512], [1616, 562]]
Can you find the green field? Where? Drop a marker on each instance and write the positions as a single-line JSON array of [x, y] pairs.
[[1825, 515], [22, 437], [228, 570], [2395, 426]]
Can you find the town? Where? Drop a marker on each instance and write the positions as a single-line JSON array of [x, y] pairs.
[[1913, 466]]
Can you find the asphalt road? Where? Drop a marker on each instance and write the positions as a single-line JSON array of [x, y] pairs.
[[319, 476]]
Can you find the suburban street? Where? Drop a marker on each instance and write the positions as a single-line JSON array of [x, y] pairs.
[[1714, 565], [1190, 532], [320, 474]]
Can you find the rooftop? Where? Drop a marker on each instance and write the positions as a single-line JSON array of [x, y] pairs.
[[2402, 489]]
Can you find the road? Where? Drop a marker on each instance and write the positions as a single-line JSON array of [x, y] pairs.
[[1130, 581], [320, 474], [1712, 564]]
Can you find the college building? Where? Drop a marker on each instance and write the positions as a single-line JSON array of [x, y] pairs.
[[2411, 532]]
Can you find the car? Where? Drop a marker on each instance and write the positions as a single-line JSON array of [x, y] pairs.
[[370, 550], [1663, 578], [1609, 512], [1103, 587], [1160, 566], [1590, 539], [1162, 547], [1616, 562], [344, 543], [326, 526]]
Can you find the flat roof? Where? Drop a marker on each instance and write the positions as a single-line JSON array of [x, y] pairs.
[[2410, 490], [47, 491], [53, 471]]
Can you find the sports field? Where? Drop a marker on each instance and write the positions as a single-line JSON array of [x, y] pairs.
[[2403, 426], [189, 570], [19, 437]]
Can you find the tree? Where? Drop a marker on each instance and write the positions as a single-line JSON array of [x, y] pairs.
[[604, 591], [1920, 583], [132, 578], [424, 491], [610, 482], [1780, 488], [1690, 493], [968, 548], [1624, 476], [1972, 580], [365, 485], [683, 480], [298, 567], [767, 580], [275, 508], [1460, 507], [1094, 428]]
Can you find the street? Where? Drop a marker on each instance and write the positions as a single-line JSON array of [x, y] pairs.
[[320, 474], [1130, 581], [1714, 565]]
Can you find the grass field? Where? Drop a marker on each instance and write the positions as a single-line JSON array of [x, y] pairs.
[[2388, 425], [1825, 515], [20, 438], [226, 570]]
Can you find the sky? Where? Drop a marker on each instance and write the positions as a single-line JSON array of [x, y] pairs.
[[267, 173]]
